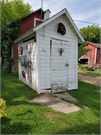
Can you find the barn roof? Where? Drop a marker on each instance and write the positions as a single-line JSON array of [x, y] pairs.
[[94, 44], [62, 12]]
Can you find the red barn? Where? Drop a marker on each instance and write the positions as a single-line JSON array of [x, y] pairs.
[[30, 21], [93, 56]]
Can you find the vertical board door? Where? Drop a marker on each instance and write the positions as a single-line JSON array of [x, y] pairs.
[[59, 70]]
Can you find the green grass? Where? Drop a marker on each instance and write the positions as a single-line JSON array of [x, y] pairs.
[[25, 118], [93, 72]]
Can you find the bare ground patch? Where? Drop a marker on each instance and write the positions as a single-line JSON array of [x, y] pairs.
[[48, 95], [51, 115]]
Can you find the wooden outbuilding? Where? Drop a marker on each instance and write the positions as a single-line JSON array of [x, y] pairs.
[[93, 56], [48, 54]]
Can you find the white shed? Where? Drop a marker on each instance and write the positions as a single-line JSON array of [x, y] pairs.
[[49, 60]]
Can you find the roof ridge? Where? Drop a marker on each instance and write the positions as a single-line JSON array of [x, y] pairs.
[[94, 44]]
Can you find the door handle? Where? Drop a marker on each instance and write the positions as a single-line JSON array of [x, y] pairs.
[[67, 64]]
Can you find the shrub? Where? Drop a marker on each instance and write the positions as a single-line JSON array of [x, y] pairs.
[[3, 106], [7, 65]]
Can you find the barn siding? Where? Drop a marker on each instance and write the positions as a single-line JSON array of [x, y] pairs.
[[45, 34], [90, 54], [98, 56], [32, 84], [26, 25]]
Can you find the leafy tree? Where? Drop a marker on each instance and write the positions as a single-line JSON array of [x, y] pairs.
[[12, 14], [91, 33], [13, 10], [82, 50], [8, 35]]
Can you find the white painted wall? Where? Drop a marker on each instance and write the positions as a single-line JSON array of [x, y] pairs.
[[45, 35], [33, 57]]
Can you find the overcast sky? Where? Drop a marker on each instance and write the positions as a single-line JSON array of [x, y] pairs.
[[83, 10]]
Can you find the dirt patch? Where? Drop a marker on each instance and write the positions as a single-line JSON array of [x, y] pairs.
[[48, 95], [89, 78], [51, 115]]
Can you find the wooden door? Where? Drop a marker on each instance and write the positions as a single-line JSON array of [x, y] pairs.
[[59, 70]]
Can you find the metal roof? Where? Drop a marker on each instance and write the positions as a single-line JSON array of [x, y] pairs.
[[94, 44]]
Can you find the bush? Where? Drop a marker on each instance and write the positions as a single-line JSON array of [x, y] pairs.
[[3, 106], [7, 65], [86, 67]]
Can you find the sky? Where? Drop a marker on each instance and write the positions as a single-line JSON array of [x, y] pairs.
[[83, 10]]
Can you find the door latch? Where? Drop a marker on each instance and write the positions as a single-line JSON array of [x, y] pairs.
[[67, 64]]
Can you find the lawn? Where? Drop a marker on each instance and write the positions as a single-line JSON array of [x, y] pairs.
[[25, 118], [93, 72]]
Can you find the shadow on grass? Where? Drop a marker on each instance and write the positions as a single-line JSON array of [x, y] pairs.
[[81, 129], [14, 89], [21, 114], [16, 128]]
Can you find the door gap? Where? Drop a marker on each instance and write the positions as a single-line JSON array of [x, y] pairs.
[[47, 89]]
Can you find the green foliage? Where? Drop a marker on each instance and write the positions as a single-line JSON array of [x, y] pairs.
[[8, 65], [10, 12], [85, 67], [2, 106], [82, 50], [88, 69], [91, 33], [13, 10], [8, 35]]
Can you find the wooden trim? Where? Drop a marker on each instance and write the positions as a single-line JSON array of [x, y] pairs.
[[49, 20], [24, 35], [95, 55], [38, 63], [38, 20], [28, 39], [76, 63], [59, 39], [74, 26]]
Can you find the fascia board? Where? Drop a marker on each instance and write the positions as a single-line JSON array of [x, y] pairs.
[[74, 26], [24, 35]]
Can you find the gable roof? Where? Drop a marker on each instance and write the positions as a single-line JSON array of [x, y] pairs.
[[68, 17], [94, 44]]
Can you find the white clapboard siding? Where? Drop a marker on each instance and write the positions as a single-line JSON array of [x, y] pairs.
[[44, 58], [57, 63], [72, 67], [32, 57], [45, 72], [45, 42], [48, 31], [44, 51], [55, 23], [47, 61]]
